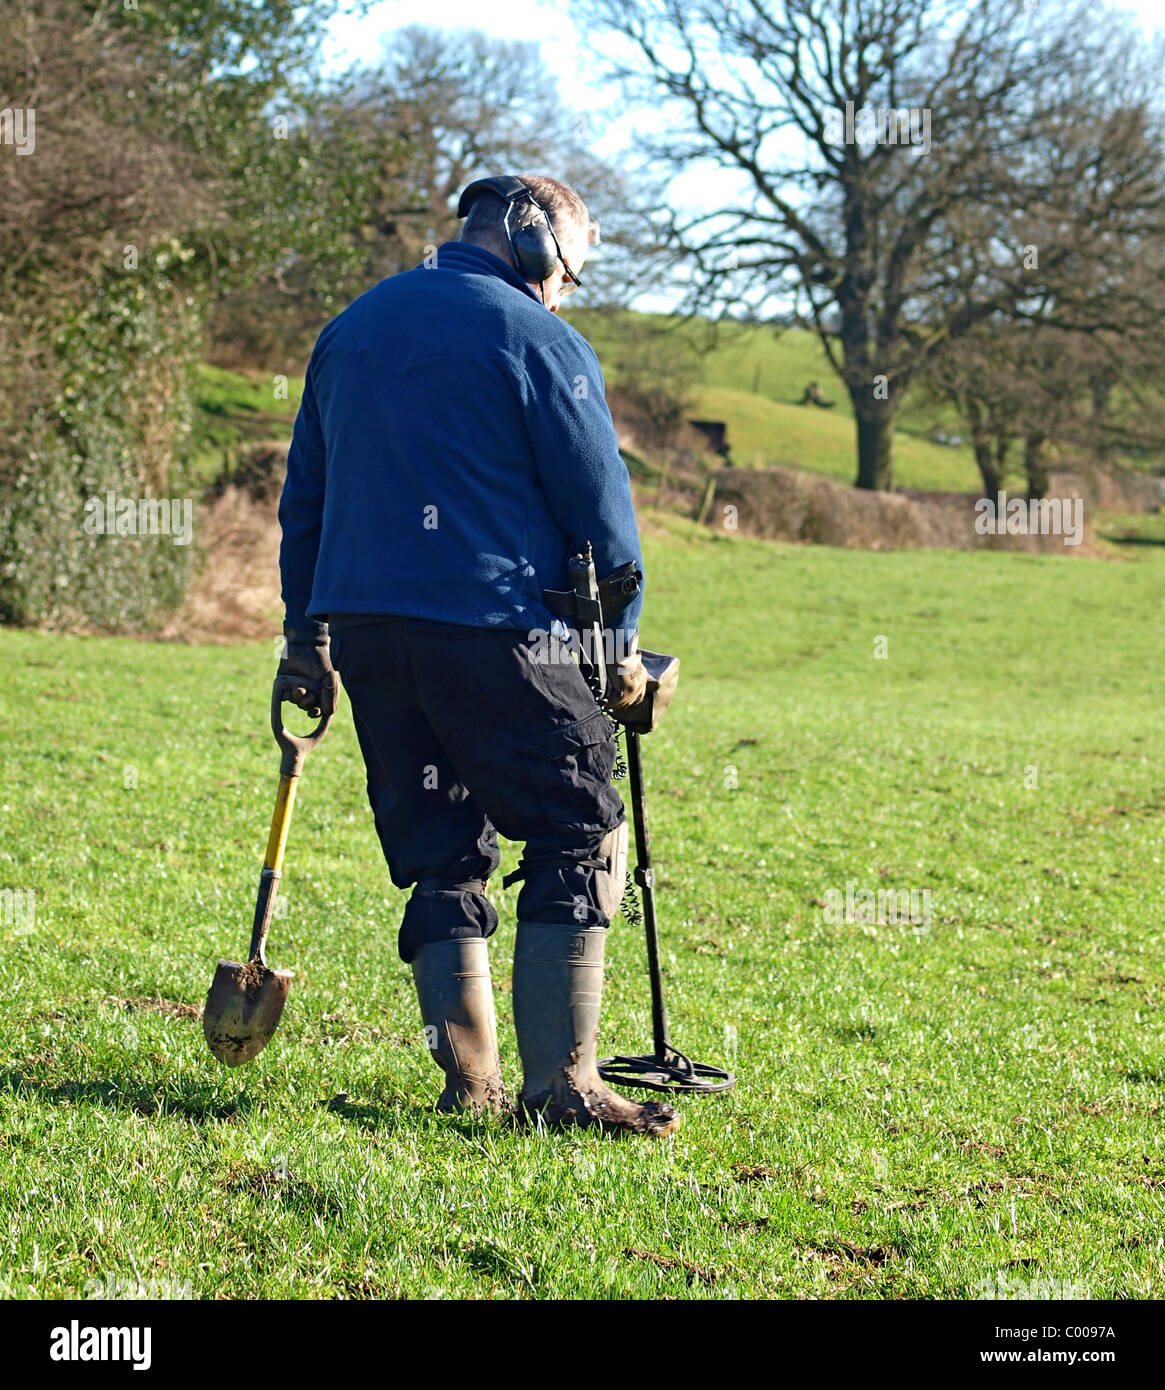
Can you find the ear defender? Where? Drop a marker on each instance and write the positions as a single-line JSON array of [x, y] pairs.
[[534, 248]]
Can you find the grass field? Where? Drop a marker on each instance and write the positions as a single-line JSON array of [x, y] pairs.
[[753, 380], [233, 409], [920, 1111]]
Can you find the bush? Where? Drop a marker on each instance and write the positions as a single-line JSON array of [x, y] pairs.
[[104, 410]]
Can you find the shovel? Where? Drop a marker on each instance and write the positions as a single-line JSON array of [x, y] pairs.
[[245, 1002]]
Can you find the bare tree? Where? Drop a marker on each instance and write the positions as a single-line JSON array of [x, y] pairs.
[[884, 152]]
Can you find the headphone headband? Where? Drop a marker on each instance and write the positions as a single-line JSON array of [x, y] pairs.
[[505, 186]]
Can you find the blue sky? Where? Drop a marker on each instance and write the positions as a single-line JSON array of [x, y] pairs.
[[564, 50], [546, 22]]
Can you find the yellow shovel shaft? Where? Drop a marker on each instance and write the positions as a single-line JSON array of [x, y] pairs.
[[280, 821]]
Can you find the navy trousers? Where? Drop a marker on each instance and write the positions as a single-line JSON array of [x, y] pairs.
[[470, 731]]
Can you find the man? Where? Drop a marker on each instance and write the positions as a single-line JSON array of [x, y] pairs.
[[453, 448]]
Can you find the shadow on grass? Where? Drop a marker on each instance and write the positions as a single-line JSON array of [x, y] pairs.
[[516, 1271], [269, 1185], [195, 1101], [387, 1117], [379, 1117], [1130, 539], [855, 1032]]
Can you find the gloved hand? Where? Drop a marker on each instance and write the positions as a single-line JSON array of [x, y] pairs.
[[306, 675], [626, 679]]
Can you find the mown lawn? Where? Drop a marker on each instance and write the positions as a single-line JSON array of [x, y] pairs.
[[920, 1111]]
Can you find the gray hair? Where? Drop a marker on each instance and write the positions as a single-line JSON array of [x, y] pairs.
[[486, 221]]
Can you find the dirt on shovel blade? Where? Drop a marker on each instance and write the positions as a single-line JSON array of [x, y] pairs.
[[243, 1007]]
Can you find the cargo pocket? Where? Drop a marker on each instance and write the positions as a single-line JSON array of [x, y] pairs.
[[570, 771]]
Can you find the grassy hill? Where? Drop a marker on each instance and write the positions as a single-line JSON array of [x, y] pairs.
[[236, 408], [753, 379], [233, 409], [920, 1110]]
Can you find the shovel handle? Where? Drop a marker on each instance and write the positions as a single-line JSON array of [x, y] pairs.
[[272, 867], [295, 747]]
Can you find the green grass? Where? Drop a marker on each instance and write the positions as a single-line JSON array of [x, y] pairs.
[[769, 433], [1136, 528], [233, 409], [916, 1112], [753, 380]]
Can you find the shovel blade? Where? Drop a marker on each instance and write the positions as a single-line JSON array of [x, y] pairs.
[[243, 1008]]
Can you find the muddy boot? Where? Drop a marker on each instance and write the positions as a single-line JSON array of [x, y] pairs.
[[457, 1009], [558, 990]]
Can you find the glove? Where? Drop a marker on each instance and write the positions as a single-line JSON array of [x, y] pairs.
[[306, 675], [626, 679]]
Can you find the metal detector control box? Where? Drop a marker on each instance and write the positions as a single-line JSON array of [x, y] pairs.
[[663, 674]]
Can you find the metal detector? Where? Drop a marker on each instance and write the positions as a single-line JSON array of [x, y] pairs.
[[666, 1069], [590, 606]]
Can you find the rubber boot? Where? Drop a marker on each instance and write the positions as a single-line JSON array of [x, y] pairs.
[[558, 992], [457, 1009]]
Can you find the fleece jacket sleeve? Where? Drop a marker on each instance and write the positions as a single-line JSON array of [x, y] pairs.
[[582, 473], [301, 509]]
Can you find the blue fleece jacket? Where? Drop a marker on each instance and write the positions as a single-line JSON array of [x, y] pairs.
[[452, 449]]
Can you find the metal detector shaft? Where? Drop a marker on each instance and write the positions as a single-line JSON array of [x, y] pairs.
[[666, 1069], [645, 877]]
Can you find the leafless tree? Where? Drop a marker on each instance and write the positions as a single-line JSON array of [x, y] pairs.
[[891, 238]]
